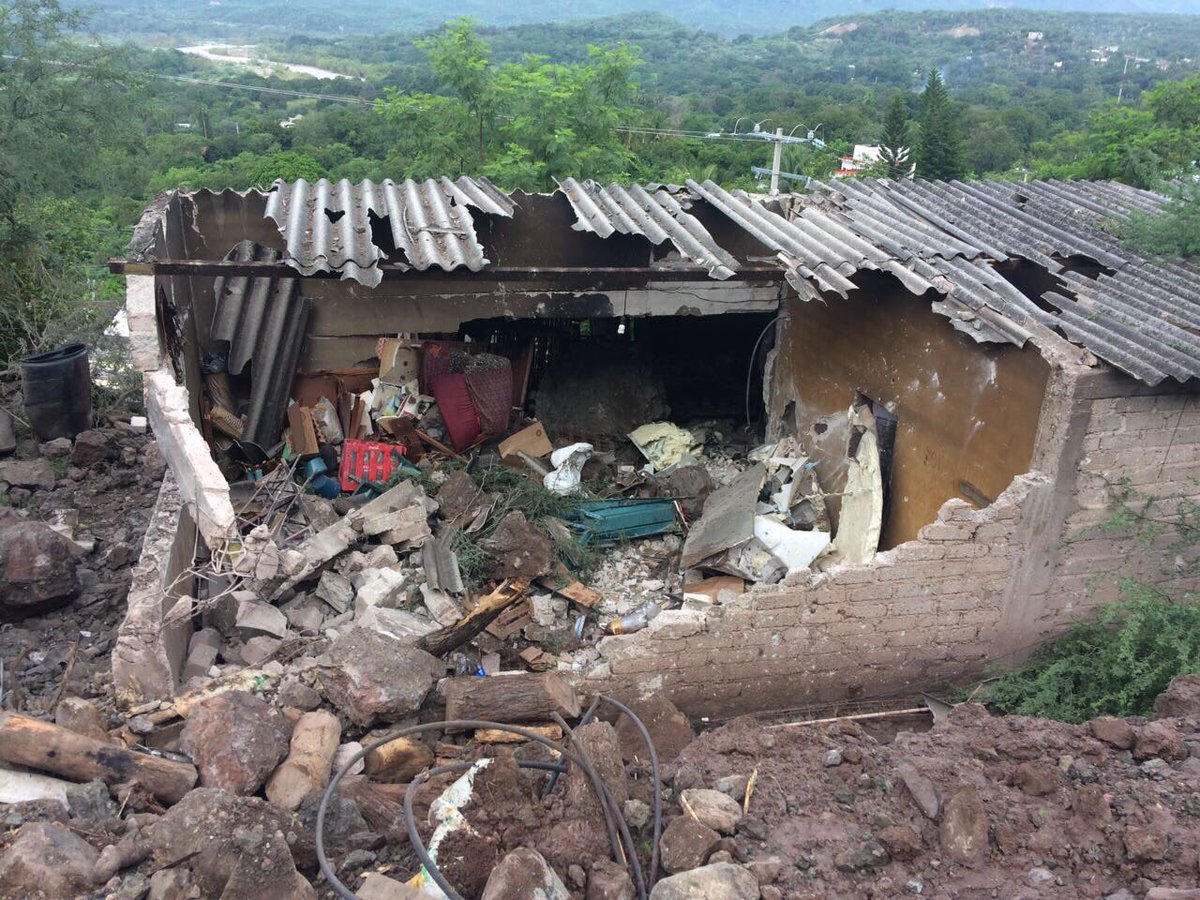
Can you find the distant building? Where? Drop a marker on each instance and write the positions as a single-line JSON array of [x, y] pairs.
[[1034, 36], [865, 156], [291, 121]]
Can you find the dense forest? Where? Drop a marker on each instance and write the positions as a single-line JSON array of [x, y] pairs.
[[236, 18], [91, 127]]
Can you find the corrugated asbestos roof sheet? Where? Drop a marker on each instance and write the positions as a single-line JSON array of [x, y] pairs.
[[946, 238], [1139, 315], [262, 320], [345, 227], [657, 216]]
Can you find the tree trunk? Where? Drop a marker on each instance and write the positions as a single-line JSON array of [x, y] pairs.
[[523, 697], [51, 748]]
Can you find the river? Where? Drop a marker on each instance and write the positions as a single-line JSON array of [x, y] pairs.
[[239, 55]]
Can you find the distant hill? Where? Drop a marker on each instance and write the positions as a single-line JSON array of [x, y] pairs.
[[237, 18]]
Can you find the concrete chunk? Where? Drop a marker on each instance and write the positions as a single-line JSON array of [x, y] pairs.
[[255, 617], [378, 587], [202, 653], [336, 590]]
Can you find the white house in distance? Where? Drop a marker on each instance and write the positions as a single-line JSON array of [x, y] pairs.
[[865, 156]]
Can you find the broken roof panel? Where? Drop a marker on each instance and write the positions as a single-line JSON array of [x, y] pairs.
[[1140, 316], [262, 319], [657, 216], [343, 227]]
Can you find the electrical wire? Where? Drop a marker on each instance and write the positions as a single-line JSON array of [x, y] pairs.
[[750, 368], [619, 836]]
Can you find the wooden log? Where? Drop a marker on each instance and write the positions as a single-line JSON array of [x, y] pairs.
[[495, 736], [309, 761], [441, 642], [398, 761], [51, 748], [518, 698], [380, 804]]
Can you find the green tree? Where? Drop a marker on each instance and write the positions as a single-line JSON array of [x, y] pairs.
[[63, 104], [895, 149], [462, 61], [939, 155]]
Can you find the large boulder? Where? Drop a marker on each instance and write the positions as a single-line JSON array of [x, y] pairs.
[[1181, 699], [234, 846], [47, 861], [236, 740], [37, 569], [720, 881], [372, 677]]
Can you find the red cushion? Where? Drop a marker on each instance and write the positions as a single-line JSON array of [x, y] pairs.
[[458, 412]]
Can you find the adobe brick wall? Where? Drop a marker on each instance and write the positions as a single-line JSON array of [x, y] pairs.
[[977, 588]]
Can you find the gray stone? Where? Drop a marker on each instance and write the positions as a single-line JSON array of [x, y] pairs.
[[91, 803], [297, 694], [869, 855], [833, 758], [733, 785], [38, 570], [59, 448], [336, 590], [27, 473], [524, 874], [637, 813], [91, 447], [254, 617], [47, 860], [234, 846], [609, 881], [718, 811], [202, 653], [921, 789], [720, 881], [259, 649]]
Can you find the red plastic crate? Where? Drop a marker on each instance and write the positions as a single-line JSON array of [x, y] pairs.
[[367, 461]]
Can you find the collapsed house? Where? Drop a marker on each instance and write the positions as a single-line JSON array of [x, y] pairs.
[[958, 385]]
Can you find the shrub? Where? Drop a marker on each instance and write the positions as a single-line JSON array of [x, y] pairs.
[[1115, 666]]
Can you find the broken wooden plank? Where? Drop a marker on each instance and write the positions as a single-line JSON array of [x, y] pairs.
[[52, 748], [496, 736], [302, 431], [509, 622], [538, 660], [519, 697], [469, 626], [711, 587], [571, 588]]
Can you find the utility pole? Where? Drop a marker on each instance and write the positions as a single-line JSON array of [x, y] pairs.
[[776, 161], [1124, 72]]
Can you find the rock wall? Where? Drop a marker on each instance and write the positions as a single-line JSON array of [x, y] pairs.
[[978, 587]]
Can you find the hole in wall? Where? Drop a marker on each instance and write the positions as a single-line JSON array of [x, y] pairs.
[[820, 427]]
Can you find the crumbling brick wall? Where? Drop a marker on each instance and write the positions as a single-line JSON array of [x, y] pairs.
[[978, 587], [1138, 471]]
